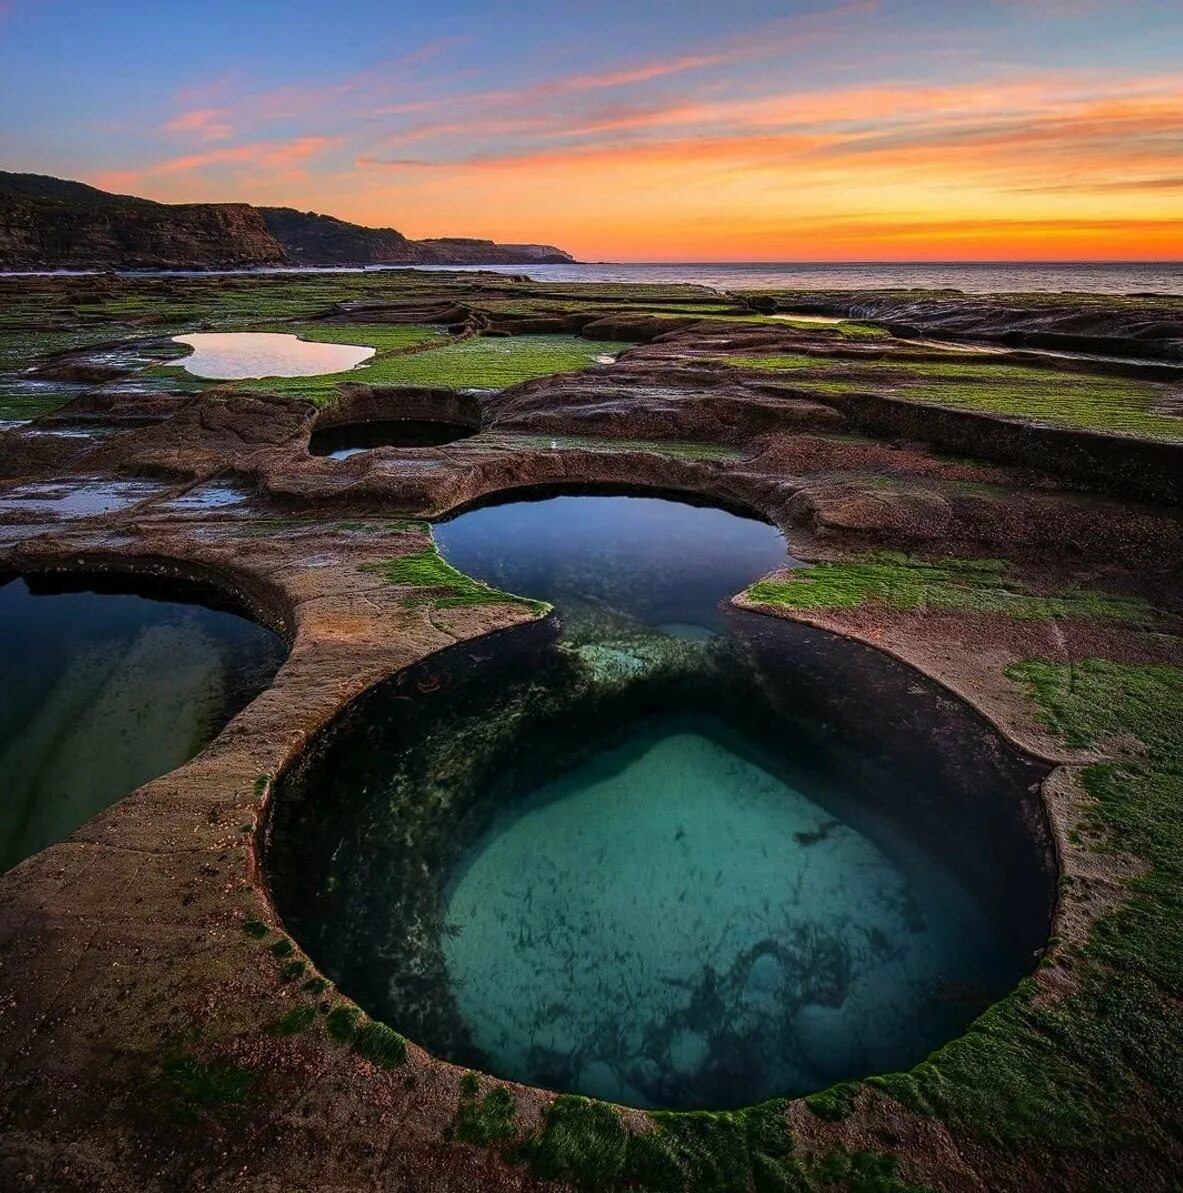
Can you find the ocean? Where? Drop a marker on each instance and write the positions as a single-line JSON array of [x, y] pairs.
[[995, 277], [992, 277]]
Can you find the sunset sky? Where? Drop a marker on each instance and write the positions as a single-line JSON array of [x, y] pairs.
[[679, 130]]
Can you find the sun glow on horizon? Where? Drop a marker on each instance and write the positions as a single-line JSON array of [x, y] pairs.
[[864, 130]]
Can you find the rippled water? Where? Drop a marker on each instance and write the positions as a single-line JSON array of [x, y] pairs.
[[974, 277], [237, 355], [102, 691], [674, 854]]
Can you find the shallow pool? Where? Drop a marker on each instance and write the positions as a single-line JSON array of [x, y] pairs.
[[237, 355], [101, 691]]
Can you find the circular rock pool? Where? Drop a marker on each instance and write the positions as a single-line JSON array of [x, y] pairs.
[[349, 439], [665, 868], [107, 683]]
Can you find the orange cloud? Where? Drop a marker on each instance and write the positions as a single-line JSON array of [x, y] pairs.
[[275, 154]]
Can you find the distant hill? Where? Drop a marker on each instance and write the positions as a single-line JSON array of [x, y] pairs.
[[54, 223], [50, 223], [312, 239]]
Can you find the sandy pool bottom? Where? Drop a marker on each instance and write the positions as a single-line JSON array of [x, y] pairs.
[[670, 924]]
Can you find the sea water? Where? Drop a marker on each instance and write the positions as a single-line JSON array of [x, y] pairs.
[[102, 691]]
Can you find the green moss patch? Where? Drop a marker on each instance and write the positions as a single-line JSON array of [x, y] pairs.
[[588, 1144], [1074, 399], [484, 1120], [380, 1045], [425, 357], [341, 1023], [189, 1090], [441, 585], [902, 582], [293, 1022], [1100, 1072]]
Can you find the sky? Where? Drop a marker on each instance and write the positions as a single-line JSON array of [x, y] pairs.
[[630, 130]]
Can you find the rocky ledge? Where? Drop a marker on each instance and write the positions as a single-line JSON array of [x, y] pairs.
[[162, 1030]]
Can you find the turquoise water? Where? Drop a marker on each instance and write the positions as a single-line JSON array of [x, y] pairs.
[[102, 691], [661, 851], [670, 924]]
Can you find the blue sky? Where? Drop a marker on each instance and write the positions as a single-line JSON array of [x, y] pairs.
[[745, 127]]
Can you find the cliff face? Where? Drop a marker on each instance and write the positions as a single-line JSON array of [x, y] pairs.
[[51, 223], [70, 226], [312, 239], [461, 251]]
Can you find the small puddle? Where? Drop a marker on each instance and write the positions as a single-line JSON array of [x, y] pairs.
[[825, 320], [341, 442], [106, 688], [210, 495], [238, 355], [78, 499]]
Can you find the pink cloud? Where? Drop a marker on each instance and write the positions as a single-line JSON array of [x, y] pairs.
[[207, 124], [269, 154]]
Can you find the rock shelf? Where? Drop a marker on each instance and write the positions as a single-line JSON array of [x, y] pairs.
[[1004, 524]]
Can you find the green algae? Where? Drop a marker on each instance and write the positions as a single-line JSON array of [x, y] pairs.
[[483, 1121], [589, 1144], [1138, 799], [380, 1045], [341, 1023], [292, 1022], [426, 358], [902, 582], [443, 586], [292, 971], [189, 1090], [1076, 399]]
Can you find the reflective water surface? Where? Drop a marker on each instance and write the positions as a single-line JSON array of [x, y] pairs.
[[650, 561], [235, 355], [104, 690]]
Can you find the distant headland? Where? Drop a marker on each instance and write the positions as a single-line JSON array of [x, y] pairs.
[[53, 223]]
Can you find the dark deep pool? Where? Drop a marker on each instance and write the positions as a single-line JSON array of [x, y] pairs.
[[673, 854]]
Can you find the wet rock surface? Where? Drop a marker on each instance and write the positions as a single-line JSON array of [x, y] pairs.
[[161, 1029]]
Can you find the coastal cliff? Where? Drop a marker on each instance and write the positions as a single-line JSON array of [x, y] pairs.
[[52, 223], [310, 238]]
